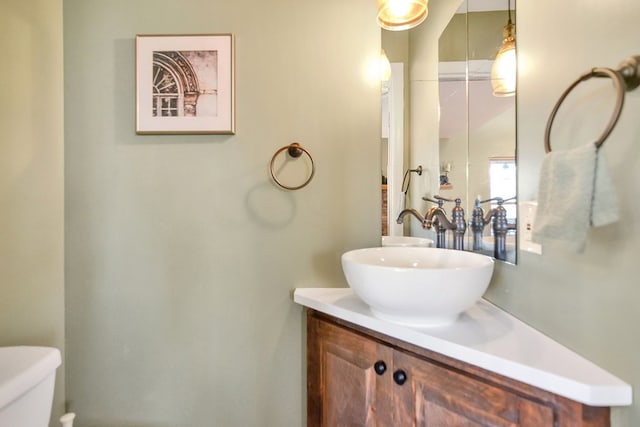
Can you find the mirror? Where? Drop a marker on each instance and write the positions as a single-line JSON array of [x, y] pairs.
[[441, 79]]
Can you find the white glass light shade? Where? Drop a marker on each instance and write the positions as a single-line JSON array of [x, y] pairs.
[[503, 71], [398, 15]]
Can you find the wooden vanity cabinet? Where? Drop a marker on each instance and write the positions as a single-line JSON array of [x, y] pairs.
[[357, 377]]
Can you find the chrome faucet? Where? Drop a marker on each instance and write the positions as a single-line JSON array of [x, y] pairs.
[[457, 217], [500, 226], [436, 217], [477, 224]]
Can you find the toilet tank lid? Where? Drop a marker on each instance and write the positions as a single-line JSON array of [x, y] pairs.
[[23, 367]]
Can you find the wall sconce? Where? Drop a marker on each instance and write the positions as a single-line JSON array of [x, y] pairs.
[[399, 15], [503, 71]]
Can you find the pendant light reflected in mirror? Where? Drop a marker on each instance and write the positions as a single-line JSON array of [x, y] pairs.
[[503, 71], [399, 15]]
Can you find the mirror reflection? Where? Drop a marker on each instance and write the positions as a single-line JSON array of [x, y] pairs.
[[449, 130]]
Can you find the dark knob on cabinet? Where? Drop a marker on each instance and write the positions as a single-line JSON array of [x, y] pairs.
[[380, 367], [400, 377]]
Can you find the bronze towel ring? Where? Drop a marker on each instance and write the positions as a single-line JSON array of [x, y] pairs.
[[294, 150], [626, 78]]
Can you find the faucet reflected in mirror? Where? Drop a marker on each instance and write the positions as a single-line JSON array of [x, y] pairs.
[[439, 111], [436, 219], [500, 226]]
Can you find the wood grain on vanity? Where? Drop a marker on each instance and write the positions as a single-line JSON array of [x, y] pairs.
[[360, 377]]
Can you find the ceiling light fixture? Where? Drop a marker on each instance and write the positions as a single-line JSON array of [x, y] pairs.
[[503, 71], [399, 15]]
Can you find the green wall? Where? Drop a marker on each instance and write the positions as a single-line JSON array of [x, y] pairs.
[[473, 35], [181, 252], [589, 301], [31, 178]]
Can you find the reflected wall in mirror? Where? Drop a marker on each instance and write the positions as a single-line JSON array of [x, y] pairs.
[[439, 112]]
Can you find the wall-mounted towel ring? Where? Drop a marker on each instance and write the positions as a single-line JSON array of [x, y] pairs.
[[626, 78], [294, 150]]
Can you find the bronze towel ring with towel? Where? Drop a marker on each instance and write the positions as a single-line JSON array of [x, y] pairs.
[[625, 78]]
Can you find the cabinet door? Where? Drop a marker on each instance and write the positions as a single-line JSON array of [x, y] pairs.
[[435, 396], [344, 389]]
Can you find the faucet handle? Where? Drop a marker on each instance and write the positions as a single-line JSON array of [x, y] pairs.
[[457, 200], [440, 200], [481, 202], [436, 199], [499, 200]]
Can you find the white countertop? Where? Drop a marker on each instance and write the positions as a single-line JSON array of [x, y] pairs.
[[490, 338]]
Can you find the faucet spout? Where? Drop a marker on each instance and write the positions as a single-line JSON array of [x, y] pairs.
[[490, 215], [437, 216], [406, 212]]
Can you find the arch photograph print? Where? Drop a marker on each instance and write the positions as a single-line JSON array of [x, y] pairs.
[[185, 84]]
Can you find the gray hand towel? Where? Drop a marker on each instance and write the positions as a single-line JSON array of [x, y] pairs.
[[575, 193]]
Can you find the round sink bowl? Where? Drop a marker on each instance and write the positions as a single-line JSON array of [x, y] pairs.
[[406, 241], [417, 286]]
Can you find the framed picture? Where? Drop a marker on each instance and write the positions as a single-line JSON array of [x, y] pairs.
[[185, 84]]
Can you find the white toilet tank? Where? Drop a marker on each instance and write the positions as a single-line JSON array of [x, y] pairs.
[[27, 376]]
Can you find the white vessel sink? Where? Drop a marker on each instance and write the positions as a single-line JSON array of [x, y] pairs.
[[417, 286], [406, 241]]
